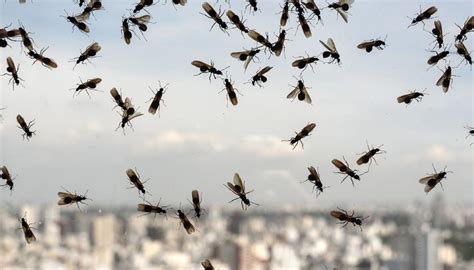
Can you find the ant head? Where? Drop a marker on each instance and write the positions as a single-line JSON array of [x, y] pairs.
[[3, 43]]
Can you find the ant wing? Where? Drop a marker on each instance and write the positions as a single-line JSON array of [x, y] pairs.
[[51, 63], [426, 179], [439, 27], [298, 62], [195, 196], [93, 47], [313, 171], [256, 36], [65, 195], [207, 264], [29, 236], [239, 55], [405, 98], [362, 159], [309, 127], [238, 183], [431, 184], [469, 24], [430, 11], [460, 46], [5, 172], [341, 166], [200, 64], [264, 70], [11, 65], [307, 98], [235, 189], [115, 94], [94, 81], [21, 121], [142, 207], [342, 13], [188, 225], [332, 45], [143, 19], [131, 174], [339, 215], [293, 93], [208, 8], [135, 116], [366, 44]]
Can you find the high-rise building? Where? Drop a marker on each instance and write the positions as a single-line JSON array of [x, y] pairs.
[[104, 233]]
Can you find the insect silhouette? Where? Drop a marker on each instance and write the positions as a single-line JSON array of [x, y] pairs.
[[7, 177], [432, 180], [341, 7], [127, 34], [300, 135], [142, 4], [207, 265], [179, 2], [238, 188], [433, 60], [412, 95], [141, 22], [148, 208], [90, 52], [300, 91], [77, 21], [260, 39], [25, 38], [188, 226], [303, 62], [331, 51], [45, 61], [134, 178], [446, 79], [29, 236], [127, 117], [252, 5], [467, 27], [92, 6], [68, 198], [260, 77], [437, 33], [297, 5], [7, 35], [90, 84], [303, 23], [157, 99], [279, 45], [206, 68], [462, 51], [344, 218], [196, 203], [217, 17], [344, 169], [369, 156], [422, 16], [316, 12], [231, 91], [12, 71], [470, 132], [126, 106], [246, 56], [374, 43], [284, 13], [236, 21], [315, 179], [25, 127]]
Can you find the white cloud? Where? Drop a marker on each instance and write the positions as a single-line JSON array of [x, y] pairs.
[[439, 153], [268, 146]]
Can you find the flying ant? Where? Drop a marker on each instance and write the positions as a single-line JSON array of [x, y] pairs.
[[300, 91], [207, 265], [25, 39], [124, 105], [134, 178], [25, 127], [68, 198], [279, 45], [302, 134], [7, 34], [433, 60], [412, 95], [344, 169], [297, 5], [260, 39], [246, 56], [304, 62], [432, 180], [437, 33], [91, 51], [315, 178], [238, 188], [284, 13], [188, 226], [369, 156], [179, 2], [311, 5], [77, 22], [93, 5], [155, 104], [15, 79], [141, 22], [149, 208], [342, 6], [235, 19], [345, 218], [425, 15], [230, 91], [196, 203], [259, 76], [304, 25], [467, 27], [127, 34], [331, 51], [462, 51], [206, 68], [142, 4], [45, 61], [88, 85], [127, 118], [446, 79], [212, 14], [7, 177], [29, 236], [252, 5], [369, 45]]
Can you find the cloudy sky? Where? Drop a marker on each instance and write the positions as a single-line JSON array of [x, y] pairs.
[[199, 141]]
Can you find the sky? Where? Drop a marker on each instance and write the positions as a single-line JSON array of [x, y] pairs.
[[199, 141]]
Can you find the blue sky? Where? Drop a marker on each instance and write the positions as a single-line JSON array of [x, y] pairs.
[[199, 142]]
